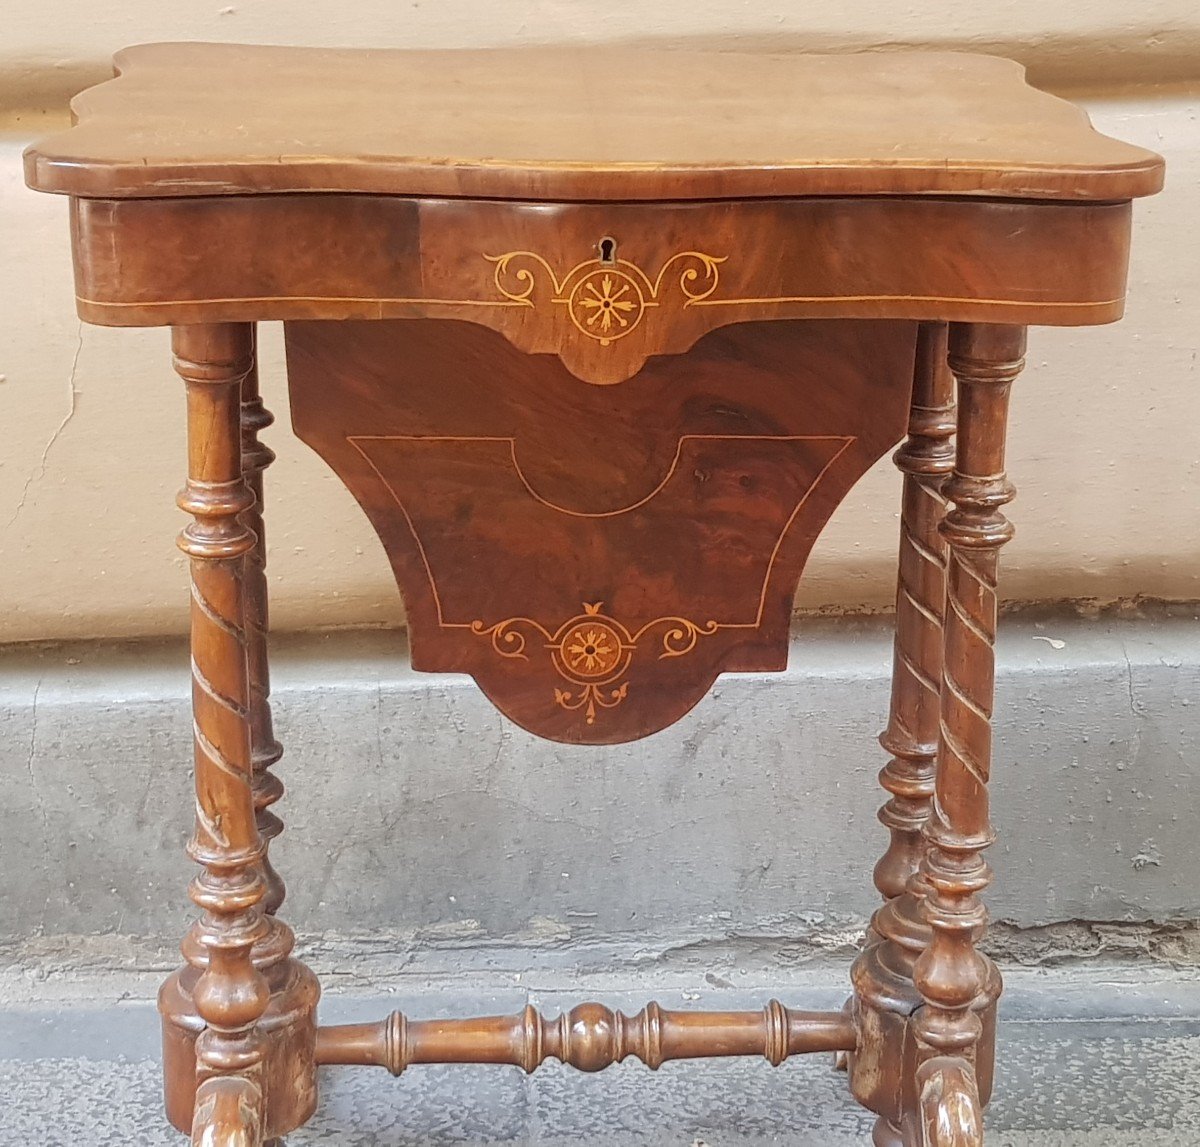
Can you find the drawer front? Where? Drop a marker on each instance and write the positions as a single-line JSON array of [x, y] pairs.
[[602, 286]]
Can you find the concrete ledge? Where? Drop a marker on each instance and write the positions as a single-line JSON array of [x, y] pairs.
[[1094, 1057], [418, 815]]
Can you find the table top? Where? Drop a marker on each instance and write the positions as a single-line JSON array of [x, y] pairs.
[[578, 123]]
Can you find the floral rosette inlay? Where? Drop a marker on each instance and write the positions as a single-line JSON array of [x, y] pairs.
[[591, 651]]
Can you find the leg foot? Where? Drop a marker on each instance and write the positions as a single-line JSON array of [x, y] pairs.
[[950, 1111], [288, 1029], [886, 1134], [228, 1113]]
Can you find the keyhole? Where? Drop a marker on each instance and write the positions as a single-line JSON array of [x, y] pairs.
[[608, 249]]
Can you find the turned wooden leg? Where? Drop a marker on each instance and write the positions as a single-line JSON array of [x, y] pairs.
[[265, 750], [239, 1019], [954, 1028], [231, 994], [886, 995], [925, 459]]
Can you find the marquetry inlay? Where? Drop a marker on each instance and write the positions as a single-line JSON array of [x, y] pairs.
[[592, 651], [605, 300]]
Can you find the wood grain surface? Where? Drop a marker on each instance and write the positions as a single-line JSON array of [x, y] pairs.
[[537, 273], [576, 123], [595, 556]]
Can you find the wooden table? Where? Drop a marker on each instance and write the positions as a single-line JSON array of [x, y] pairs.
[[598, 339]]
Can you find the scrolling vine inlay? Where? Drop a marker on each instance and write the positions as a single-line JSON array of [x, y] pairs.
[[593, 651], [605, 299]]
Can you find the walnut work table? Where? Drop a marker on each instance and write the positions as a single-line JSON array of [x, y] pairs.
[[598, 339]]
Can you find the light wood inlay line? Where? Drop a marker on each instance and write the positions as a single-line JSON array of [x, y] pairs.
[[766, 300]]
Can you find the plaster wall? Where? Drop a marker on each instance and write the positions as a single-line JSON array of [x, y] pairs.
[[1104, 448]]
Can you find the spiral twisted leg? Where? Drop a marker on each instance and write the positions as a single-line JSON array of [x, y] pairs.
[[925, 459], [239, 1019], [885, 996], [265, 750], [230, 993], [958, 983]]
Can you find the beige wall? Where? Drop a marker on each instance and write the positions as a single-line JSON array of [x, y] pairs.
[[46, 43], [1106, 438]]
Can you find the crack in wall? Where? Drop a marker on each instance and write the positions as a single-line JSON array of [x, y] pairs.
[[39, 472], [33, 781]]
